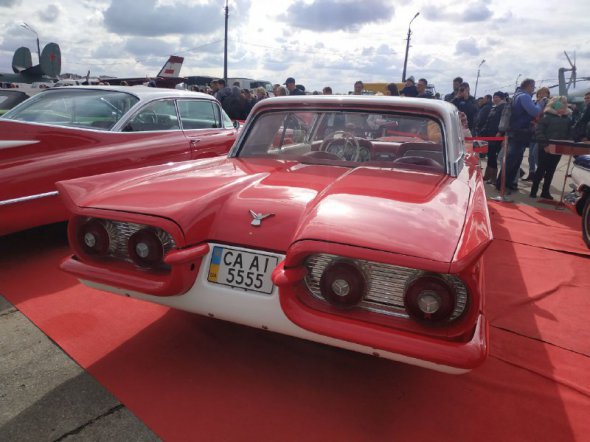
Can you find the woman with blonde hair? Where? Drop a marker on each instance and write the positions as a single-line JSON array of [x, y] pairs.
[[554, 125], [260, 93]]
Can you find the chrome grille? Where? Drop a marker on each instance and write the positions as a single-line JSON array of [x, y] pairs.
[[120, 232], [386, 285]]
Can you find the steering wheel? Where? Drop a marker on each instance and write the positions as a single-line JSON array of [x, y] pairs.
[[147, 116], [344, 144]]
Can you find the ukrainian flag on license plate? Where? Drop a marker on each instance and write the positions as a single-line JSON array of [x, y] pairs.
[[215, 262]]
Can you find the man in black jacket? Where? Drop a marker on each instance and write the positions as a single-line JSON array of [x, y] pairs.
[[581, 125], [456, 83], [293, 90], [466, 103], [490, 129]]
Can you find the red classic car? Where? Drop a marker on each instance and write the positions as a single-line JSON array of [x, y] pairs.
[[358, 222], [65, 133]]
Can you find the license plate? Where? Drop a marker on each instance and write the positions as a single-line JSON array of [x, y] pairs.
[[240, 269]]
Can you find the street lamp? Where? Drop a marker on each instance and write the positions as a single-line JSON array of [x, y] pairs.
[[408, 46], [477, 79], [29, 28], [225, 44], [516, 82]]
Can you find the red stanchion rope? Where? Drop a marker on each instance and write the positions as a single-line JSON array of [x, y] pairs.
[[483, 149]]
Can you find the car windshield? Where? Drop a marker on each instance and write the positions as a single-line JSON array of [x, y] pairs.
[[92, 108], [346, 138]]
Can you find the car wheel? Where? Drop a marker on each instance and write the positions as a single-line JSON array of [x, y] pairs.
[[586, 222]]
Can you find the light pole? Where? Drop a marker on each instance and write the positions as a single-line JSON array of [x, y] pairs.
[[408, 46], [516, 82], [225, 45], [29, 28], [477, 78]]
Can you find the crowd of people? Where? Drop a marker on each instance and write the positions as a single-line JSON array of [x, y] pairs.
[[535, 117]]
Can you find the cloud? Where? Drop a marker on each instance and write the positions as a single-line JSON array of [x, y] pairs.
[[151, 18], [476, 13], [142, 47], [337, 15], [50, 14], [9, 3], [472, 12], [467, 46]]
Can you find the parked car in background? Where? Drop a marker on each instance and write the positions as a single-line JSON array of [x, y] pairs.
[[69, 132], [358, 222], [10, 98], [248, 83]]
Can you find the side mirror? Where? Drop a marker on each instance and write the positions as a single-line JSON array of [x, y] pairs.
[[236, 124]]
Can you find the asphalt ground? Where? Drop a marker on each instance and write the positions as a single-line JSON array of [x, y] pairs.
[[46, 396]]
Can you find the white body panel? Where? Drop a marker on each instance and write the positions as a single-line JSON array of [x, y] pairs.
[[580, 176], [256, 310]]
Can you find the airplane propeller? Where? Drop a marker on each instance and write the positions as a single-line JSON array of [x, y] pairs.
[[572, 69]]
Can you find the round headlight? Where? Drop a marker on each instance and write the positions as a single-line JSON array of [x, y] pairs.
[[343, 284], [145, 248], [94, 237]]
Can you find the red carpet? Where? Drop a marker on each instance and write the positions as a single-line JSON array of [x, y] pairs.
[[194, 378]]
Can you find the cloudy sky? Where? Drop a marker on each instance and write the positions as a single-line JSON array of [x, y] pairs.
[[319, 42]]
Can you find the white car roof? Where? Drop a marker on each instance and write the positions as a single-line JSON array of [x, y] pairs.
[[143, 92]]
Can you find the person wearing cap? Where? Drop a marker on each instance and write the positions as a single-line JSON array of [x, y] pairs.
[[466, 103], [293, 90]]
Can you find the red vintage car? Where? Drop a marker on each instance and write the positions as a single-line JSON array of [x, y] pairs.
[[362, 227], [70, 132]]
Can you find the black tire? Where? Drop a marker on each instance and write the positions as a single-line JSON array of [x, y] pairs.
[[586, 222]]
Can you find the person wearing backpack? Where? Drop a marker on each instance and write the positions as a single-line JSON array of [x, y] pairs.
[[522, 112]]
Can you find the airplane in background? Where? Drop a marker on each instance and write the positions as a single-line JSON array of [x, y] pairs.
[[573, 96], [168, 77], [47, 70]]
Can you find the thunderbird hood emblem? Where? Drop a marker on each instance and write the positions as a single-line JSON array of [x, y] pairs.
[[258, 217]]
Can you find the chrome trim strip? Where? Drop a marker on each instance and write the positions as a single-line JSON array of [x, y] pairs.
[[7, 144], [28, 198]]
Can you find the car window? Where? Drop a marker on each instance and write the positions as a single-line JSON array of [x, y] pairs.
[[157, 115], [346, 138], [93, 109], [198, 114]]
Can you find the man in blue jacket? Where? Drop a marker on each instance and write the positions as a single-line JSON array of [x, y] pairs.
[[524, 110]]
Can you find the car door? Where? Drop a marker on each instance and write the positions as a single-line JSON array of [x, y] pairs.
[[154, 132], [207, 128]]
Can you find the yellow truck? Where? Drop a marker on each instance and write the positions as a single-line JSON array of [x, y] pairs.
[[373, 88]]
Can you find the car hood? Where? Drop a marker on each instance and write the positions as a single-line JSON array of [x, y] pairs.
[[404, 211]]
